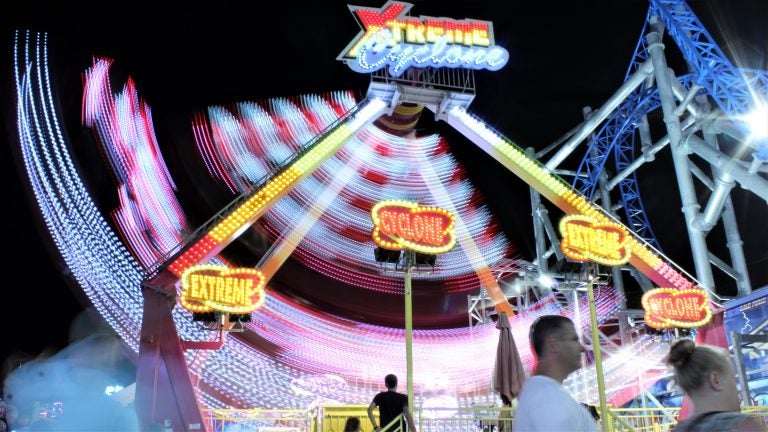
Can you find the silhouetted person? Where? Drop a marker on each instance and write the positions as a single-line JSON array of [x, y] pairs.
[[391, 405]]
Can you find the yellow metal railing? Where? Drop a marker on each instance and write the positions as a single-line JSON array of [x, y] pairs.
[[643, 419], [614, 423], [486, 419], [760, 411], [263, 420], [331, 418]]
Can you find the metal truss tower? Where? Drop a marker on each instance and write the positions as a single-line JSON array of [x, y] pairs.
[[701, 109]]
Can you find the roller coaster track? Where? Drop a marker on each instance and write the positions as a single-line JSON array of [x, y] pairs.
[[731, 89]]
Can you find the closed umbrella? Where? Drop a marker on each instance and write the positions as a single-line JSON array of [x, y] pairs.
[[508, 374]]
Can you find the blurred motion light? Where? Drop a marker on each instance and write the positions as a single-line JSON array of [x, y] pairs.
[[110, 390], [546, 280], [757, 120]]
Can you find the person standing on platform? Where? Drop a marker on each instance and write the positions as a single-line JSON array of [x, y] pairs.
[[543, 404], [706, 375], [391, 405]]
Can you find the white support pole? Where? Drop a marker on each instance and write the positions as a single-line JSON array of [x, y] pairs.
[[647, 156], [750, 182], [601, 114], [538, 228], [679, 156]]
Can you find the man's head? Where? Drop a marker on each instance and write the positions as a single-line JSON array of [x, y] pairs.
[[554, 340], [390, 381]]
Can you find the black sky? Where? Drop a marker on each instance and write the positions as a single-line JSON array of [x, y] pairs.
[[564, 56]]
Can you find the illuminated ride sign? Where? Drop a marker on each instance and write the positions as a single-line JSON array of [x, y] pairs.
[[208, 288], [584, 239], [670, 307], [391, 39], [399, 225]]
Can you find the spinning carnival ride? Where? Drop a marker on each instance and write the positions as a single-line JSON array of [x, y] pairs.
[[306, 172]]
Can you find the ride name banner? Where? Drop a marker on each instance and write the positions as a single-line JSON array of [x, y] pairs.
[[208, 288], [399, 225], [585, 239], [671, 307], [392, 39]]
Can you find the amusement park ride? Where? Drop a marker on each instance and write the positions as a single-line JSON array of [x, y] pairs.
[[309, 182]]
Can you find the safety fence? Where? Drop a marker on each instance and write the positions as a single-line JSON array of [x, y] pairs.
[[659, 419], [331, 418]]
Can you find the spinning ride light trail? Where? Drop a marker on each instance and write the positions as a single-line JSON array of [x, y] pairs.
[[149, 212], [81, 235], [444, 200], [242, 374], [198, 357], [225, 389], [333, 246], [159, 333], [213, 239], [202, 363], [239, 374], [290, 241]]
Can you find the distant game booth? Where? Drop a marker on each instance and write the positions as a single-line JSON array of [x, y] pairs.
[[344, 190]]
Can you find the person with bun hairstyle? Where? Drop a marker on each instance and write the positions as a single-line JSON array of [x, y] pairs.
[[706, 375], [352, 425]]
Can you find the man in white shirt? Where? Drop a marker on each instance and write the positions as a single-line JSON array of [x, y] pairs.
[[544, 405]]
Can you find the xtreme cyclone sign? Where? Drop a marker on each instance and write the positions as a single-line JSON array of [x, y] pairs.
[[391, 39]]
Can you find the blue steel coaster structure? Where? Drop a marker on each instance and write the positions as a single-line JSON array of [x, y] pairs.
[[712, 77]]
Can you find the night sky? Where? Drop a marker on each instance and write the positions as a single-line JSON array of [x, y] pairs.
[[564, 56]]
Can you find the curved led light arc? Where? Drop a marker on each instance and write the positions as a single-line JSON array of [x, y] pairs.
[[337, 244]]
